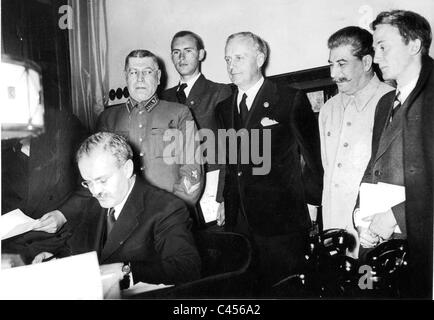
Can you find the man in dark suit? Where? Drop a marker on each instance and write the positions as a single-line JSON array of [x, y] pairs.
[[198, 93], [135, 223], [403, 142], [269, 204], [38, 175]]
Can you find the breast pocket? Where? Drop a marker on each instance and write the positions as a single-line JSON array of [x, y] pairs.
[[164, 142]]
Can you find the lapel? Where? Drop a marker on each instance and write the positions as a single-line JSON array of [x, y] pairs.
[[426, 70], [197, 92], [126, 223], [229, 111], [389, 134], [265, 99], [390, 131]]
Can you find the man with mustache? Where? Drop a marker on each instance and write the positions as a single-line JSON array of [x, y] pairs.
[[129, 221], [346, 122], [198, 93], [148, 124]]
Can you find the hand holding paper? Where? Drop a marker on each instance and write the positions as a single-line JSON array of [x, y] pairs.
[[15, 223], [377, 198]]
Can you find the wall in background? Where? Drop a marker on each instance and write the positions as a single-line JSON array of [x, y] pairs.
[[296, 30]]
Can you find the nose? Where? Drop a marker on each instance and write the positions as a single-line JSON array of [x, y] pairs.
[[140, 76], [377, 56], [95, 188], [334, 71]]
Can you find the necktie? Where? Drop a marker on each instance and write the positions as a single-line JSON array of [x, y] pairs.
[[396, 106], [110, 220], [180, 94], [243, 109]]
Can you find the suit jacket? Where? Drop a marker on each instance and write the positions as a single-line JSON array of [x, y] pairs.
[[145, 126], [202, 101], [417, 132], [151, 232], [42, 182], [275, 203]]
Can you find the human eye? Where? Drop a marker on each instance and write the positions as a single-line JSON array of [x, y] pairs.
[[132, 72], [175, 52], [228, 60]]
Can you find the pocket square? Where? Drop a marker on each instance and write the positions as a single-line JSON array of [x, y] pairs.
[[265, 122]]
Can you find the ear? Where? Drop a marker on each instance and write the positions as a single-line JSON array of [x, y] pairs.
[[128, 168], [415, 46], [158, 76], [367, 62], [202, 54], [260, 60]]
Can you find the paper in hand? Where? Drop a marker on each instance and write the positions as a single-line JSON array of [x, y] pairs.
[[377, 198], [15, 223]]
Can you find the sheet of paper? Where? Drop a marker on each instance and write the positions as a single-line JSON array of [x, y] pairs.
[[14, 223], [143, 287], [208, 202], [73, 278], [376, 198]]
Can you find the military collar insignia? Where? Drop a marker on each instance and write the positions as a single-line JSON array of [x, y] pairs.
[[147, 105]]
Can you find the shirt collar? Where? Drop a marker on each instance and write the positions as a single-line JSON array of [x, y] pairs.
[[363, 96], [118, 208], [251, 93], [407, 89], [190, 83], [148, 105]]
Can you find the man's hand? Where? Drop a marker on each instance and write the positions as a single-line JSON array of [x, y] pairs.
[[41, 257], [383, 224], [367, 238], [9, 260], [51, 222], [221, 214], [113, 269]]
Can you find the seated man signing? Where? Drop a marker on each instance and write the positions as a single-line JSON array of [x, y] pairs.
[[135, 223]]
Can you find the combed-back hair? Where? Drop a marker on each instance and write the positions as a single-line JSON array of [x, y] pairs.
[[141, 53], [260, 44], [107, 141], [411, 26], [184, 33], [359, 39]]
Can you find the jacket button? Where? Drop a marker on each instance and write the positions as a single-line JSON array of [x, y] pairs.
[[377, 173], [240, 173]]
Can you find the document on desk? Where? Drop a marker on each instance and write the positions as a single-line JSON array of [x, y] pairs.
[[376, 198], [73, 278], [208, 202], [15, 223], [141, 287]]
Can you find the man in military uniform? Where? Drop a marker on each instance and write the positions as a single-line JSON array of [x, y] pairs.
[[161, 133]]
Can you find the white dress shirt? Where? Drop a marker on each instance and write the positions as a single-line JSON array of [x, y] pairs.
[[190, 83], [251, 94]]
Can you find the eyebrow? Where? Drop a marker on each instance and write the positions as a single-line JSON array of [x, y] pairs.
[[340, 60]]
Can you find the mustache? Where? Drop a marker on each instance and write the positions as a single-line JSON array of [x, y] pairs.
[[340, 80]]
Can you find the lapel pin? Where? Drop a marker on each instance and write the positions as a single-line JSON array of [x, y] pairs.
[[266, 104]]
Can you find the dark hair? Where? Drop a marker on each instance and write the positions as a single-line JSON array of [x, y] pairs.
[[411, 26], [260, 44], [360, 39], [141, 53], [115, 144], [184, 33]]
